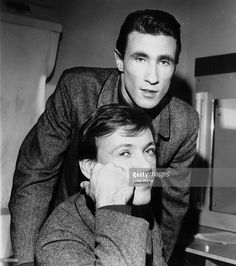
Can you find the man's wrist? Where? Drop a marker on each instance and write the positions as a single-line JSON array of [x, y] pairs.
[[101, 204], [126, 209]]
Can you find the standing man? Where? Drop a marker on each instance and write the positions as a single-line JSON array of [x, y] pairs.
[[147, 52]]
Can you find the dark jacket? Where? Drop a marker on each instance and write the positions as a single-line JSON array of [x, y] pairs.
[[75, 234], [47, 170]]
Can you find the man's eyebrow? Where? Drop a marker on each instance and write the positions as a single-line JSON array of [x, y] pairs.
[[128, 145], [124, 145], [166, 57], [140, 54], [159, 58], [151, 143]]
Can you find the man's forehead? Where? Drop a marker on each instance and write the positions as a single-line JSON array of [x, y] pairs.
[[148, 35], [144, 41], [125, 136]]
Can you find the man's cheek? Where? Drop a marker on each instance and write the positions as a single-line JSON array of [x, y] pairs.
[[121, 163]]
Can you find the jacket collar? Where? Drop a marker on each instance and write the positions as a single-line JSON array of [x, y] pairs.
[[162, 122], [109, 94], [86, 209]]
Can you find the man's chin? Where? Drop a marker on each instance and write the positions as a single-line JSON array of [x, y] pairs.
[[148, 105], [142, 196]]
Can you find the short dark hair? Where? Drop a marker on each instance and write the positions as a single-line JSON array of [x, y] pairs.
[[105, 121], [155, 22]]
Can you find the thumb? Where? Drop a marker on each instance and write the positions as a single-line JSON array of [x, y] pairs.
[[84, 185]]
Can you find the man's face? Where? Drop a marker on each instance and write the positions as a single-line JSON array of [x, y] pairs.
[[127, 151], [137, 151], [148, 66]]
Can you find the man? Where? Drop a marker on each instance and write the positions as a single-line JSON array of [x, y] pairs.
[[147, 52], [113, 225]]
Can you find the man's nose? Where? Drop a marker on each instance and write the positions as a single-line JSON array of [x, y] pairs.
[[152, 75], [142, 162]]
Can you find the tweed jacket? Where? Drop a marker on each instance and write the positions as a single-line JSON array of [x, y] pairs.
[[75, 234], [47, 170]]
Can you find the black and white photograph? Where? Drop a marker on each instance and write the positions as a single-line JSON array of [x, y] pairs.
[[118, 132]]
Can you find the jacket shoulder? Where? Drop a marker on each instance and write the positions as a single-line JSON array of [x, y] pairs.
[[64, 218], [95, 74], [83, 84], [183, 113]]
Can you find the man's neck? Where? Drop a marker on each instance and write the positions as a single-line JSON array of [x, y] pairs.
[[123, 94]]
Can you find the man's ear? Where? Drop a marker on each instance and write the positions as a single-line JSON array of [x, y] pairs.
[[119, 60], [86, 167]]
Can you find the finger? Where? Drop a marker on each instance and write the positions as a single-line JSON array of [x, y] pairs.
[[123, 168], [86, 186], [124, 172], [118, 166]]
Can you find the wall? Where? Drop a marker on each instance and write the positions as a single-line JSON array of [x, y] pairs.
[[212, 31]]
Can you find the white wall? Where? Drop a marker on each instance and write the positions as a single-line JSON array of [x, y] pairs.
[[212, 30]]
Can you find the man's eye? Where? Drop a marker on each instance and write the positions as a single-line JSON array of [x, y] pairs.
[[124, 154], [165, 62], [140, 59], [151, 151]]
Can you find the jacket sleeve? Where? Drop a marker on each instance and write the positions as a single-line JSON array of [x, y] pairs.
[[176, 188], [37, 169], [119, 240]]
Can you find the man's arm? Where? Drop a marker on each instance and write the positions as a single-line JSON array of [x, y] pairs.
[[176, 189], [37, 170]]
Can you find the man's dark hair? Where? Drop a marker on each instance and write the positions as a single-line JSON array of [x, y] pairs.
[[155, 22], [105, 121]]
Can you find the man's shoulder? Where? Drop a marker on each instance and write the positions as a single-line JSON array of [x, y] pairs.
[[181, 107], [66, 216], [68, 223], [65, 210], [182, 112], [90, 73], [83, 85]]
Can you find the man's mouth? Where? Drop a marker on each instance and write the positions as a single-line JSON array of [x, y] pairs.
[[149, 93]]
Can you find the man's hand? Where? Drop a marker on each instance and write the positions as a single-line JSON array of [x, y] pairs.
[[108, 185]]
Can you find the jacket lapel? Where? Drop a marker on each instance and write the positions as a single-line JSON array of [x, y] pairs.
[[162, 123]]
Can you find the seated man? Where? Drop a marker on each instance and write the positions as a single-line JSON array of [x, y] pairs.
[[109, 222]]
